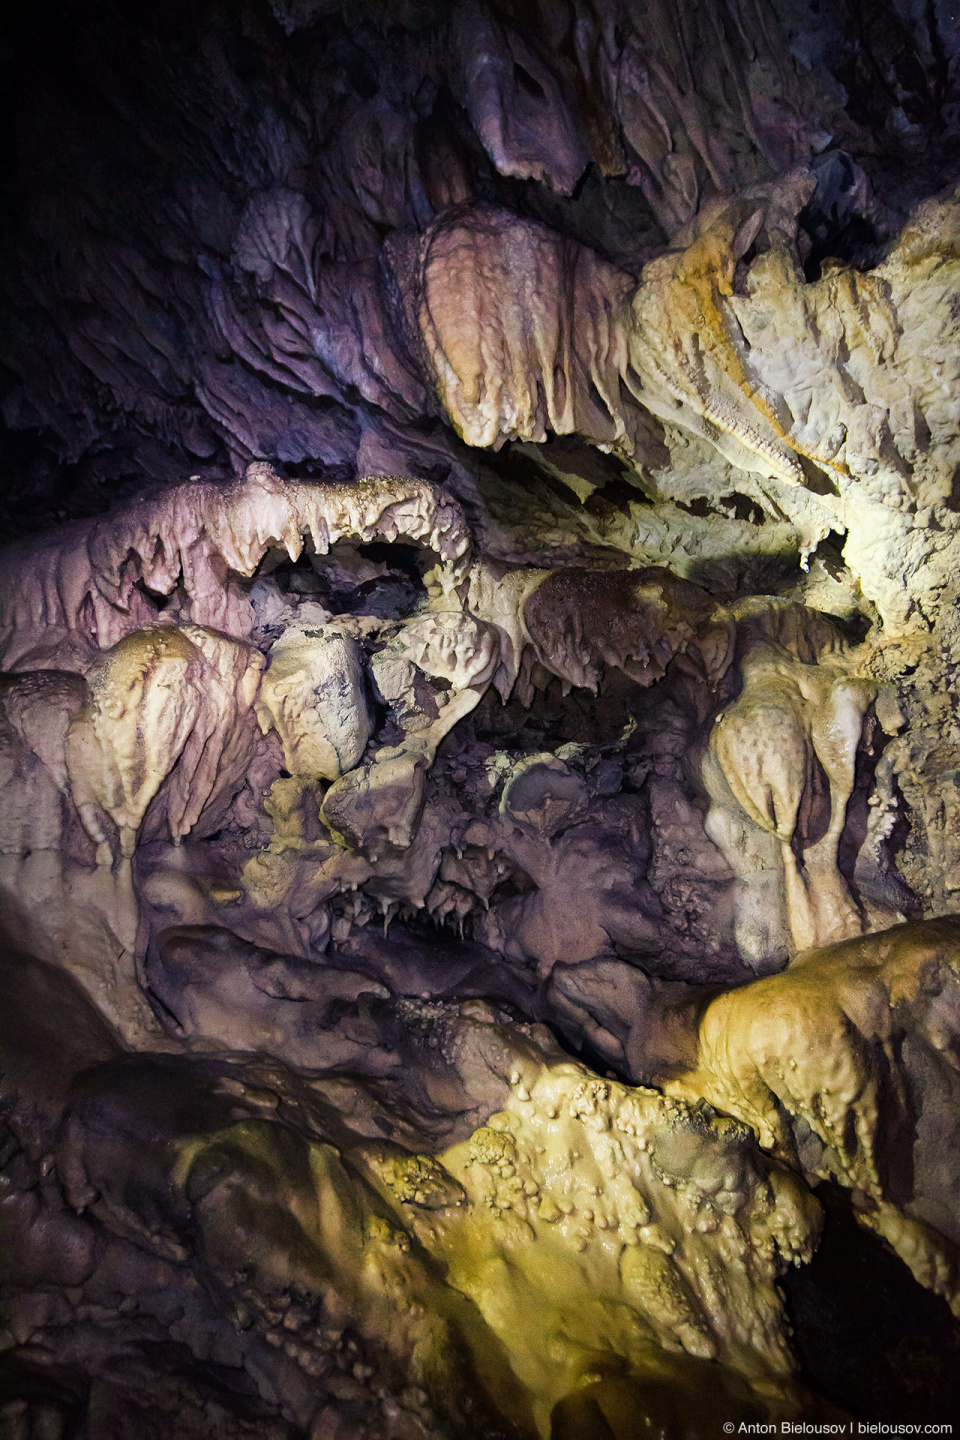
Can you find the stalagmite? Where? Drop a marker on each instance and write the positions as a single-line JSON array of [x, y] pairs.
[[794, 720], [832, 1063], [165, 706], [313, 695]]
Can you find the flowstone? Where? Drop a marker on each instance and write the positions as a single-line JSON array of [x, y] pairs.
[[479, 743], [533, 1242]]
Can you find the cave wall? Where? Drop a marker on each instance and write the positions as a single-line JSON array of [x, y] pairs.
[[479, 816]]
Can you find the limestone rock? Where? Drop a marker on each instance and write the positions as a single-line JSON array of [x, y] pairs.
[[479, 740]]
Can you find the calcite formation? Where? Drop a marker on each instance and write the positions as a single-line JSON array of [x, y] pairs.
[[833, 1060], [479, 819], [796, 720]]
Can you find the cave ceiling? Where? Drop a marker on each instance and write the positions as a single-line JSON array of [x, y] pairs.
[[479, 740]]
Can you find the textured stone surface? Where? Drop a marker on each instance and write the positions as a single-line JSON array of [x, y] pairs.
[[479, 809]]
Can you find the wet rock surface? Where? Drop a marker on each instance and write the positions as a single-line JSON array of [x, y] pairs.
[[479, 756]]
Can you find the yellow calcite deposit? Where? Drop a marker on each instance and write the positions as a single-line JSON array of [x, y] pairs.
[[826, 1062]]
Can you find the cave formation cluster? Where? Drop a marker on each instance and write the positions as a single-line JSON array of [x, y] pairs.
[[479, 737]]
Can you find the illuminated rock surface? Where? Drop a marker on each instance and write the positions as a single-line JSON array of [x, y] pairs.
[[479, 810]]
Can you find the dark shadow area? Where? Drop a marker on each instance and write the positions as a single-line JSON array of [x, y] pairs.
[[868, 1336]]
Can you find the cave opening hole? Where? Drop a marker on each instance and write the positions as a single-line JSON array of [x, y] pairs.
[[832, 225], [381, 579], [528, 85], [157, 598]]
